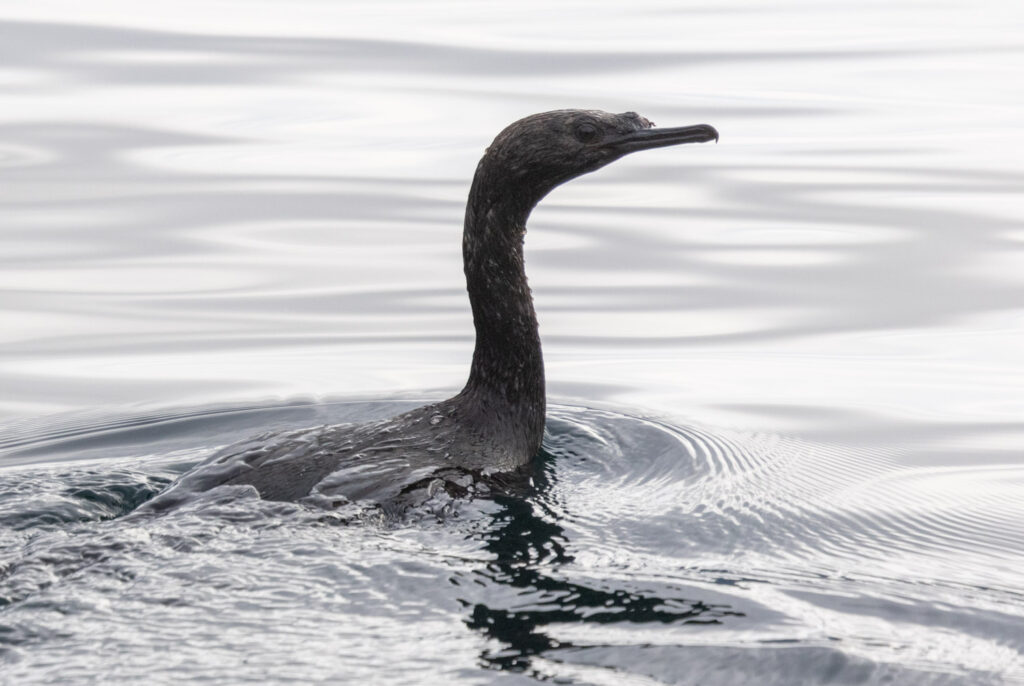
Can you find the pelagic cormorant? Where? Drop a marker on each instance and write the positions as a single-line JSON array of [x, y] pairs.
[[496, 422]]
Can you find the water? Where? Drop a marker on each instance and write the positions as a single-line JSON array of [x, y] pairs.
[[785, 371]]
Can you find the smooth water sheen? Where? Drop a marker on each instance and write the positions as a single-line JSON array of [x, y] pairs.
[[786, 371]]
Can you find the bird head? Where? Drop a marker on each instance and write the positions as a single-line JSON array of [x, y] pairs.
[[539, 152]]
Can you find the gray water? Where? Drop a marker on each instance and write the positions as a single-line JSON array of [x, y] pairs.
[[785, 371]]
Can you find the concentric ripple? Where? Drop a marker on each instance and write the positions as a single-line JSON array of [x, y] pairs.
[[726, 493]]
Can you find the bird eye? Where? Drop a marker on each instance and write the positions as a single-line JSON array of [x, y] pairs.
[[587, 133]]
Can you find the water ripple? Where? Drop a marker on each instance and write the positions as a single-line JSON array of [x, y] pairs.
[[736, 543]]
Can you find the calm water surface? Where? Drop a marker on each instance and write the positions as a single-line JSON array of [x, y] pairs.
[[786, 438]]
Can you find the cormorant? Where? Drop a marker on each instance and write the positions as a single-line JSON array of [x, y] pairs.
[[496, 423]]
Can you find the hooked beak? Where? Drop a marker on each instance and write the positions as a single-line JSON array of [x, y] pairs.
[[646, 139]]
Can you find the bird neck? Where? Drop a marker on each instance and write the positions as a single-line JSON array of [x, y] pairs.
[[506, 381]]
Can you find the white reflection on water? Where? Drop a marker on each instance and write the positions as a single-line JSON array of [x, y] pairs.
[[222, 203]]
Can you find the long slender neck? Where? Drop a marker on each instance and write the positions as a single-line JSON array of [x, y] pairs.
[[506, 381]]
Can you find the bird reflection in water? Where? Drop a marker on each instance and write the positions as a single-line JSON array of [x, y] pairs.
[[529, 547]]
